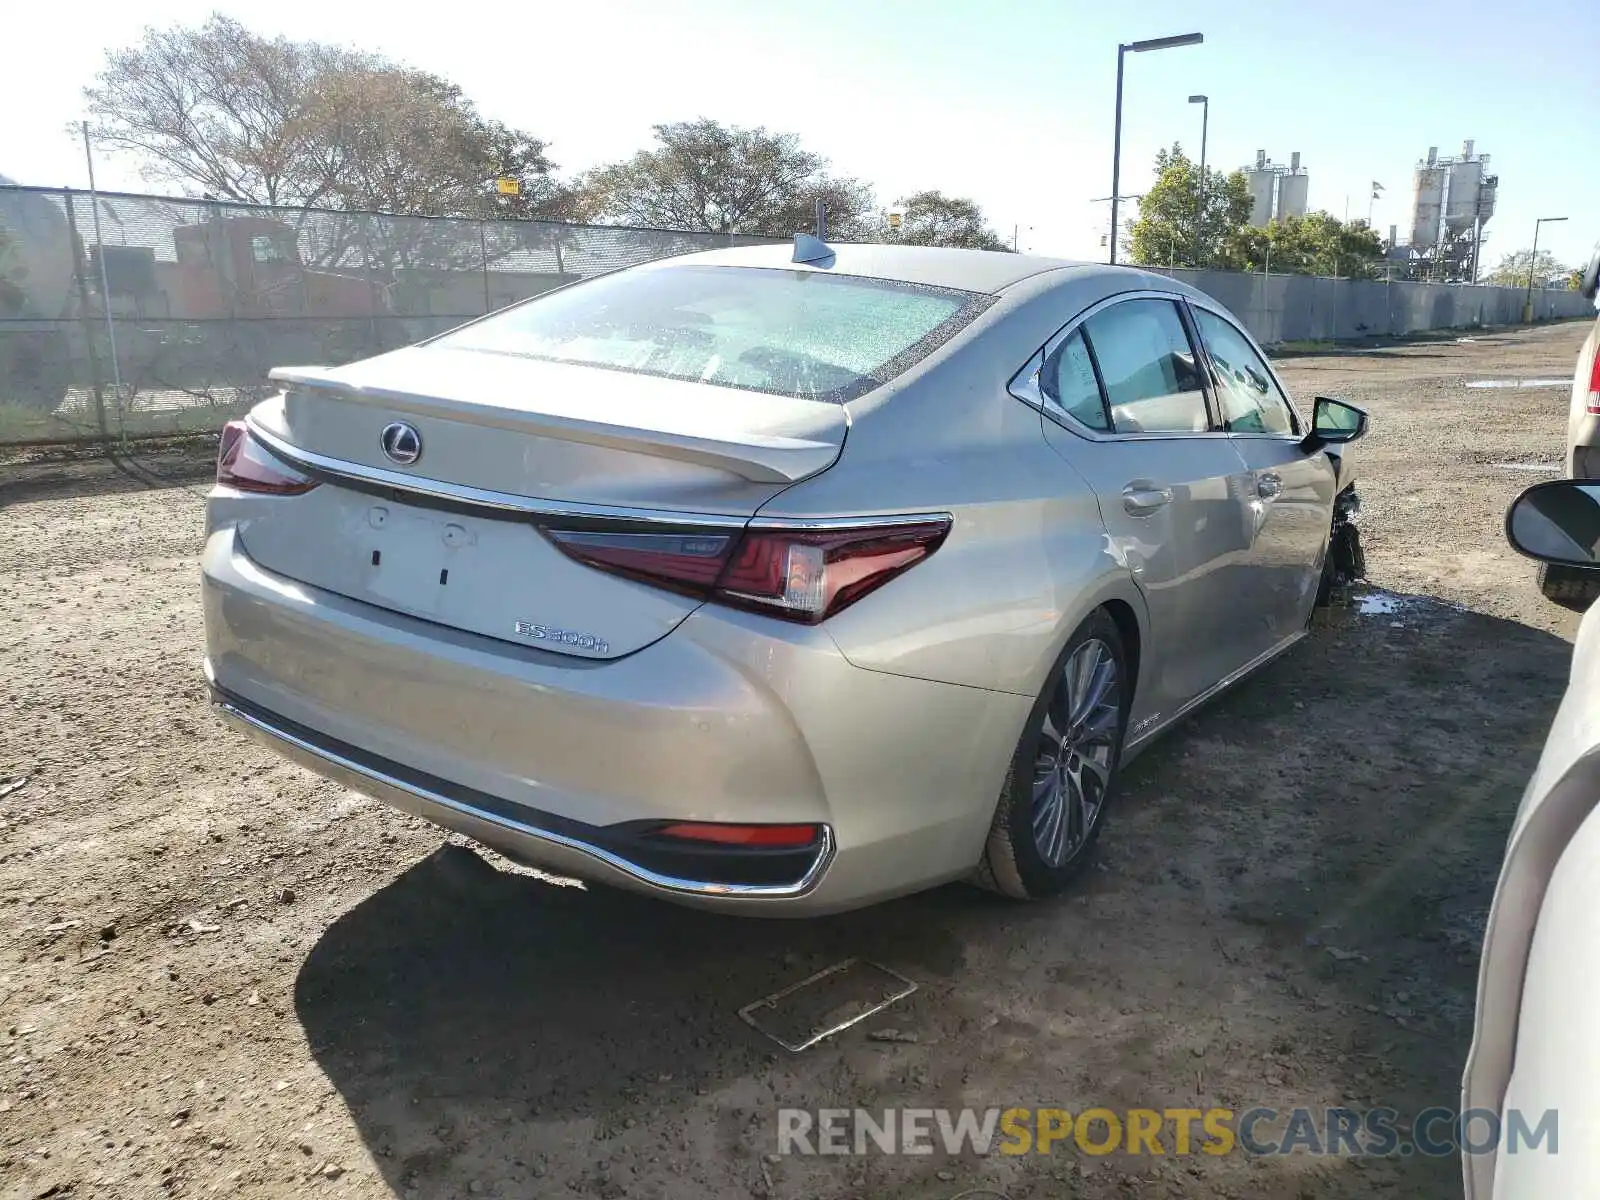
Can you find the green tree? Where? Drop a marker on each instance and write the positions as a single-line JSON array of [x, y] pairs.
[[930, 218], [1513, 271], [1315, 244], [1164, 232], [704, 175], [220, 110]]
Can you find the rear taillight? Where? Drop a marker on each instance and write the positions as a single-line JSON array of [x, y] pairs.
[[804, 575], [808, 575], [684, 562], [244, 465], [1594, 384]]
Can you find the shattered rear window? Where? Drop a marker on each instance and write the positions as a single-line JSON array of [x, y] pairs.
[[803, 334]]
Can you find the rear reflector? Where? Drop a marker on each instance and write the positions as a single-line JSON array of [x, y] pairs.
[[1594, 384], [800, 574], [742, 835], [243, 464]]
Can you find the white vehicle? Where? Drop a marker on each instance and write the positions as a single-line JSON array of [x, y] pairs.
[[1536, 1047], [1573, 587]]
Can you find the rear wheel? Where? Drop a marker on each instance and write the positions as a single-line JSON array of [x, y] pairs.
[[1064, 770], [1570, 587]]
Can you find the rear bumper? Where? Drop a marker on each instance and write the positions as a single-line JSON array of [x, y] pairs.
[[549, 758], [522, 834]]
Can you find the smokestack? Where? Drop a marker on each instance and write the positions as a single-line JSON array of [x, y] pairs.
[[1394, 235], [1261, 159], [1294, 162], [1433, 155], [1466, 148]]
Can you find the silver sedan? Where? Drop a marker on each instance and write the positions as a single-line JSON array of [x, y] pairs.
[[779, 579]]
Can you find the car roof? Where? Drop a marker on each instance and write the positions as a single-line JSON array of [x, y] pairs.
[[988, 271]]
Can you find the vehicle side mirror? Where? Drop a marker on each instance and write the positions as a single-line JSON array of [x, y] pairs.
[[1589, 281], [1333, 423], [1558, 523]]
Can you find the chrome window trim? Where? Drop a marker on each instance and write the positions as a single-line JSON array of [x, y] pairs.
[[1024, 385], [1300, 426], [499, 503], [668, 883]]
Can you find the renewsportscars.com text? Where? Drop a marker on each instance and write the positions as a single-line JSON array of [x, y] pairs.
[[1374, 1132]]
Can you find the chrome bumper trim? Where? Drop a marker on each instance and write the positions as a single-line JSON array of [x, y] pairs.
[[251, 723]]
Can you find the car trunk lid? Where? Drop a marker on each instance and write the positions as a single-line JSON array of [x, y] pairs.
[[505, 444]]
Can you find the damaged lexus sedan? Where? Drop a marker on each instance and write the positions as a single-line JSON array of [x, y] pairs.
[[780, 579]]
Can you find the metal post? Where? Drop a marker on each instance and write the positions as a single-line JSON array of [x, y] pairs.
[[1116, 157], [1200, 195], [365, 228], [1162, 43], [105, 286], [483, 257], [1527, 304], [84, 315], [1533, 260]]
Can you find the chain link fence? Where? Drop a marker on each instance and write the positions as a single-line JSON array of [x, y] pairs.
[[128, 316]]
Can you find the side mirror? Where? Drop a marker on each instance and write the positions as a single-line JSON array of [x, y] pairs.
[[1589, 281], [1333, 423], [1558, 523]]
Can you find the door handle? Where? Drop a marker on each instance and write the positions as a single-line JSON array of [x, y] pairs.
[[1269, 485], [1142, 499]]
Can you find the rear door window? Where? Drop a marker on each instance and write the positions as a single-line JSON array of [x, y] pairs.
[[1151, 372], [1068, 381], [803, 334]]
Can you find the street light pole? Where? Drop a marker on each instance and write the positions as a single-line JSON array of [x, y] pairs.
[[1166, 43], [1116, 159], [1533, 259], [1200, 198]]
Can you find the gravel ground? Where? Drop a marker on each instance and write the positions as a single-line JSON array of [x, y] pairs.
[[219, 974]]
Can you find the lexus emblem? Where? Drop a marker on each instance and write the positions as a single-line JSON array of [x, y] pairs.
[[401, 443]]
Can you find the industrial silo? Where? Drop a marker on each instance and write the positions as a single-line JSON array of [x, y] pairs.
[[1427, 209], [1293, 189], [1461, 201], [1262, 178]]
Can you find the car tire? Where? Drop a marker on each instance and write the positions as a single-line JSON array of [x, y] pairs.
[[1325, 583], [1570, 587], [1029, 855]]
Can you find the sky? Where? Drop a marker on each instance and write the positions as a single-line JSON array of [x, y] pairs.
[[1009, 102]]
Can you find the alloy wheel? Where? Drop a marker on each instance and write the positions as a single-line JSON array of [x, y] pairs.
[[1077, 751]]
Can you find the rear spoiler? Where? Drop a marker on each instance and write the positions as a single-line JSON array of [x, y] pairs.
[[758, 457]]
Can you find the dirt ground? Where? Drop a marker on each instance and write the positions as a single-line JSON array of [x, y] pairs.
[[221, 975]]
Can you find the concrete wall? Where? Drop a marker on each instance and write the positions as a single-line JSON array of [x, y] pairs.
[[1308, 308]]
